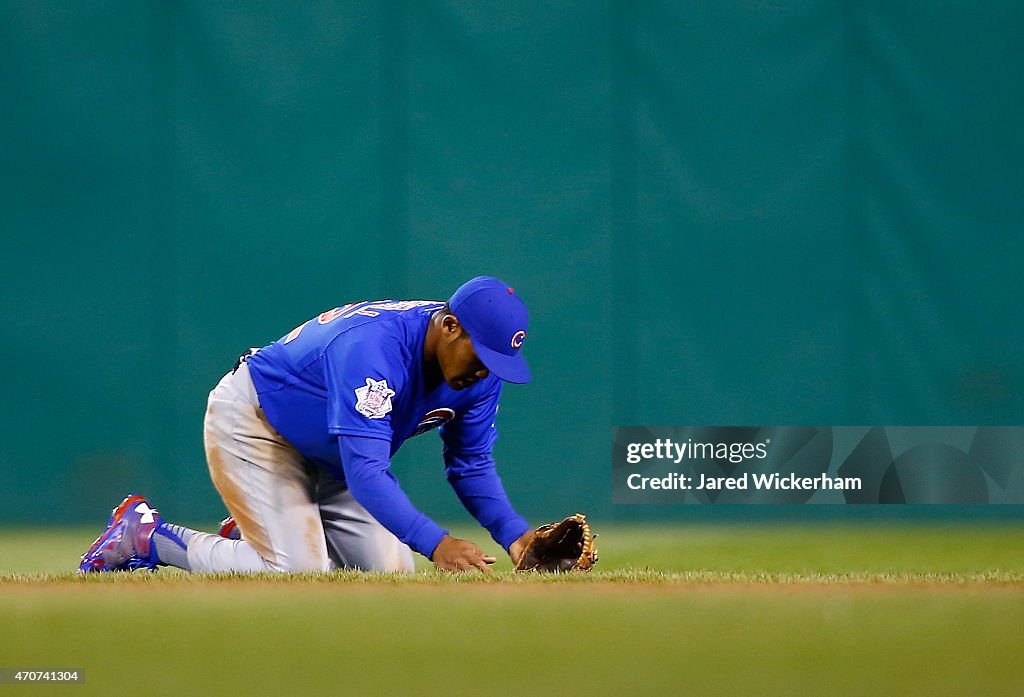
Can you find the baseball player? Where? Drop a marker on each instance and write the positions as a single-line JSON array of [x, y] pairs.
[[300, 434]]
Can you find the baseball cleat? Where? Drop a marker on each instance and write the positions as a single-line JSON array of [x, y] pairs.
[[125, 543], [229, 529]]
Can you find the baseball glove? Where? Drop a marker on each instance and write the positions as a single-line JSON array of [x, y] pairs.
[[558, 547]]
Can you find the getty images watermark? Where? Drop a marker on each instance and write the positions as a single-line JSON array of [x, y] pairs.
[[733, 453], [817, 464]]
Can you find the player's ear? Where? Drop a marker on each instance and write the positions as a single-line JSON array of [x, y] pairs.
[[450, 325]]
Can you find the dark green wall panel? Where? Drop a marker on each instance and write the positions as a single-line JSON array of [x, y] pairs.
[[725, 213]]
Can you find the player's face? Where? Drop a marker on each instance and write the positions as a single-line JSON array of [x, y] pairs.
[[459, 363]]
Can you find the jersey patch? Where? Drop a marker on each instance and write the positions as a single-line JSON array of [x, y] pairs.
[[433, 419], [373, 400]]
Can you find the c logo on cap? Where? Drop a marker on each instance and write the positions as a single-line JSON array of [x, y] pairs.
[[517, 339]]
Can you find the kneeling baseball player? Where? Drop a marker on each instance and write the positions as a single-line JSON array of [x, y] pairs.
[[299, 437]]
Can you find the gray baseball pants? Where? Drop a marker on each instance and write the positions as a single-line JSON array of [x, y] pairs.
[[291, 514]]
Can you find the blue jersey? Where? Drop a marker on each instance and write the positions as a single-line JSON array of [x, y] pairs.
[[358, 370], [347, 388]]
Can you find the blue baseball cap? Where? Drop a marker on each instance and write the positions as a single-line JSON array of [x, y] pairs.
[[496, 319]]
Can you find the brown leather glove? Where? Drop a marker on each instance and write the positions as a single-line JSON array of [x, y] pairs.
[[557, 547]]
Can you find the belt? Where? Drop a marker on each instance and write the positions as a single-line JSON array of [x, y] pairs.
[[244, 358]]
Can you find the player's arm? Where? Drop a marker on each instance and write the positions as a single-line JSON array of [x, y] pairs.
[[480, 489], [366, 465], [471, 471]]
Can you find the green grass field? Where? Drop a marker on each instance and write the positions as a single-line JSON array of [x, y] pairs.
[[726, 610]]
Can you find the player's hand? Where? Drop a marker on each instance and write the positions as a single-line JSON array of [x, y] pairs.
[[453, 554], [515, 550]]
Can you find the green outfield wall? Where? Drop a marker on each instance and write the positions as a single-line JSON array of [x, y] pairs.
[[719, 213]]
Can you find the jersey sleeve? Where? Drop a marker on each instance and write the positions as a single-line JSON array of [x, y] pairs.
[[479, 488], [364, 377], [368, 475], [468, 441]]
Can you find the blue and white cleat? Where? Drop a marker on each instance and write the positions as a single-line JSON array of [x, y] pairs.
[[125, 544]]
